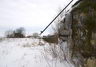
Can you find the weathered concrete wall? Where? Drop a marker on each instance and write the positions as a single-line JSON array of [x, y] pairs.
[[81, 36]]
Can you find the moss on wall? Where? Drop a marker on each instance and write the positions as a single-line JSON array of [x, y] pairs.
[[85, 5], [82, 30]]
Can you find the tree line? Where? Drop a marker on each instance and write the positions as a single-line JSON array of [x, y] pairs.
[[19, 33]]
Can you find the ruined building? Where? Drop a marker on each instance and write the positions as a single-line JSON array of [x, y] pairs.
[[78, 28]]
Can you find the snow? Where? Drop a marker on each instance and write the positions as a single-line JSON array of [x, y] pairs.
[[25, 52]]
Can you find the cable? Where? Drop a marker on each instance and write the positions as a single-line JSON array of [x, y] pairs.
[[56, 17]]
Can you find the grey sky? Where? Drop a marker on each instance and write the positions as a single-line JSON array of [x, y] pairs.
[[33, 15]]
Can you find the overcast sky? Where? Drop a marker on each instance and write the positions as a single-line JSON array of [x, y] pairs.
[[33, 15]]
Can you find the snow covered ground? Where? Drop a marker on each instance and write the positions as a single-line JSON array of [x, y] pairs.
[[26, 53]]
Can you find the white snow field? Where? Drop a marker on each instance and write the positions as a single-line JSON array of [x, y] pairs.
[[25, 52]]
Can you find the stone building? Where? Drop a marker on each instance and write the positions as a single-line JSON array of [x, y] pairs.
[[79, 30]]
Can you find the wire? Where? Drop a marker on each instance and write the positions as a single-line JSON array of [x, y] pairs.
[[56, 17]]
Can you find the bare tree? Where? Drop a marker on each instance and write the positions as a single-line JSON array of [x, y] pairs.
[[9, 33], [18, 33], [58, 21]]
